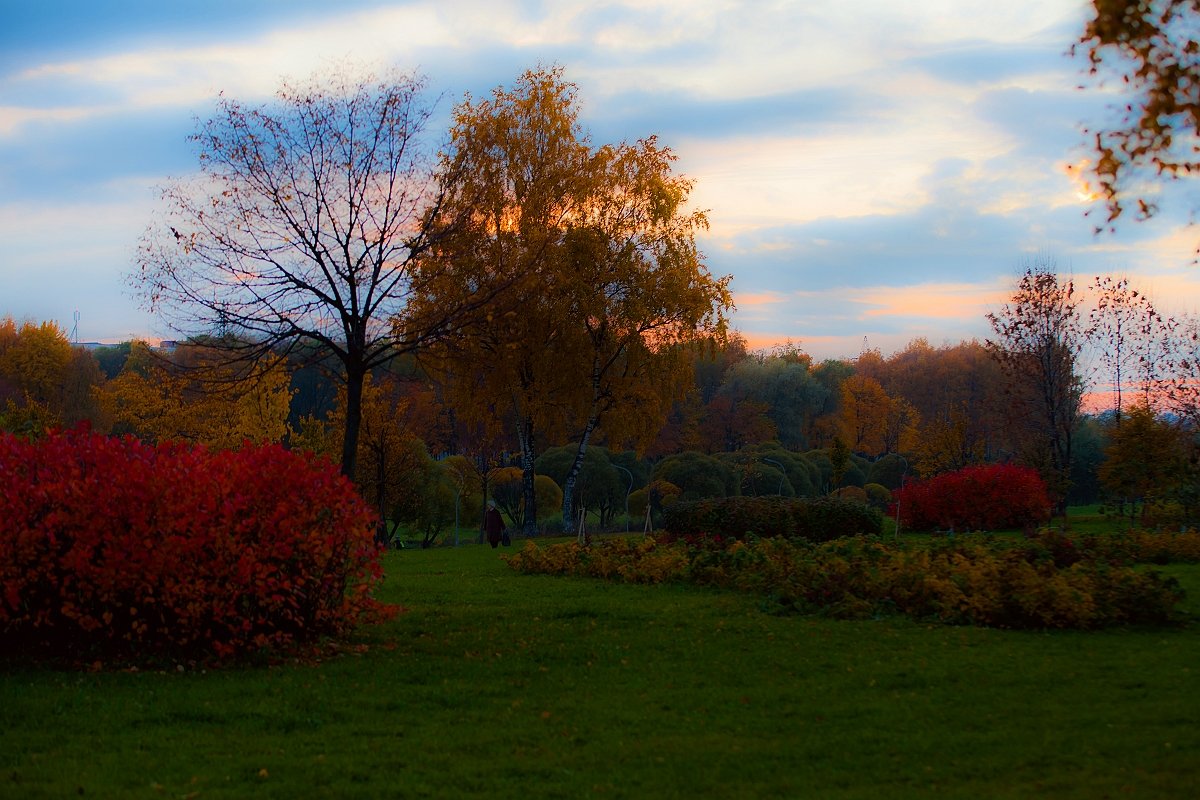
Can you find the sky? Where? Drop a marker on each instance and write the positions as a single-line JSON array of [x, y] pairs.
[[873, 170]]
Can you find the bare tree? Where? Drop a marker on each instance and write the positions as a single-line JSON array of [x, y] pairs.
[[305, 230], [1039, 339], [1132, 340]]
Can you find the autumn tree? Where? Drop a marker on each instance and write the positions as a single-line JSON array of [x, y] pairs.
[[710, 363], [636, 288], [873, 422], [159, 398], [1144, 460], [731, 423], [825, 427], [944, 444], [33, 364], [601, 248], [519, 158], [44, 381], [303, 230], [1151, 47], [782, 381], [954, 389], [1039, 337]]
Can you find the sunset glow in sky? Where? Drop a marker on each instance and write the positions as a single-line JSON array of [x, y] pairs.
[[874, 169]]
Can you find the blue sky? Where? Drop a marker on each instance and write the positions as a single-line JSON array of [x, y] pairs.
[[877, 169]]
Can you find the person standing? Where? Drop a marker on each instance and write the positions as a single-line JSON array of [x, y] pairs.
[[493, 524]]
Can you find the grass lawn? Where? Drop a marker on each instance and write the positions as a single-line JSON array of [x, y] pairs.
[[495, 684]]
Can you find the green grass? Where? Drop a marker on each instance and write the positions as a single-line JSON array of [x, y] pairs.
[[495, 684]]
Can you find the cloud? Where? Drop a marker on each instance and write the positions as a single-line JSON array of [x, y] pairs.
[[70, 155]]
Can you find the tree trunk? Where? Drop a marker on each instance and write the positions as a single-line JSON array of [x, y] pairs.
[[354, 393], [580, 452], [568, 514], [380, 492], [484, 484], [525, 439]]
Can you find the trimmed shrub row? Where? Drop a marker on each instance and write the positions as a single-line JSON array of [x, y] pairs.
[[814, 520], [111, 549]]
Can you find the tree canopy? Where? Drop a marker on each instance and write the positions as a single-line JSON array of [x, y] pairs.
[[598, 254]]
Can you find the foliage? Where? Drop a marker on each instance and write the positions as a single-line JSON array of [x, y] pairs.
[[731, 423], [437, 507], [1135, 546], [857, 494], [111, 358], [1151, 47], [957, 582], [697, 475], [44, 382], [784, 384], [944, 444], [957, 392], [638, 291], [878, 496], [193, 395], [874, 423], [656, 496], [1144, 459], [815, 520], [631, 560], [889, 471], [981, 498], [1087, 453], [111, 549], [822, 470], [600, 486], [771, 462], [393, 469], [596, 247]]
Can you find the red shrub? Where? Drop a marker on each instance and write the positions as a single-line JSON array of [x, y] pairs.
[[979, 498], [110, 548]]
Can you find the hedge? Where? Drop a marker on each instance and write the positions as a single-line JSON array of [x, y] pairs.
[[815, 520]]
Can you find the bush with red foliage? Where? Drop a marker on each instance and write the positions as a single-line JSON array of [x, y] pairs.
[[111, 549], [981, 498]]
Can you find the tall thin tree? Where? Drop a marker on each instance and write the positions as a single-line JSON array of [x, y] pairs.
[[1039, 338]]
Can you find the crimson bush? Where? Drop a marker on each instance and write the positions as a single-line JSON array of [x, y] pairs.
[[114, 549], [981, 498]]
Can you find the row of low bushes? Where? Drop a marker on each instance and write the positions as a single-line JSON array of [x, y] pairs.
[[1034, 584], [111, 549], [814, 520]]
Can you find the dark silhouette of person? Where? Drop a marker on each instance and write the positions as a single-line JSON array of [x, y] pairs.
[[493, 524]]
